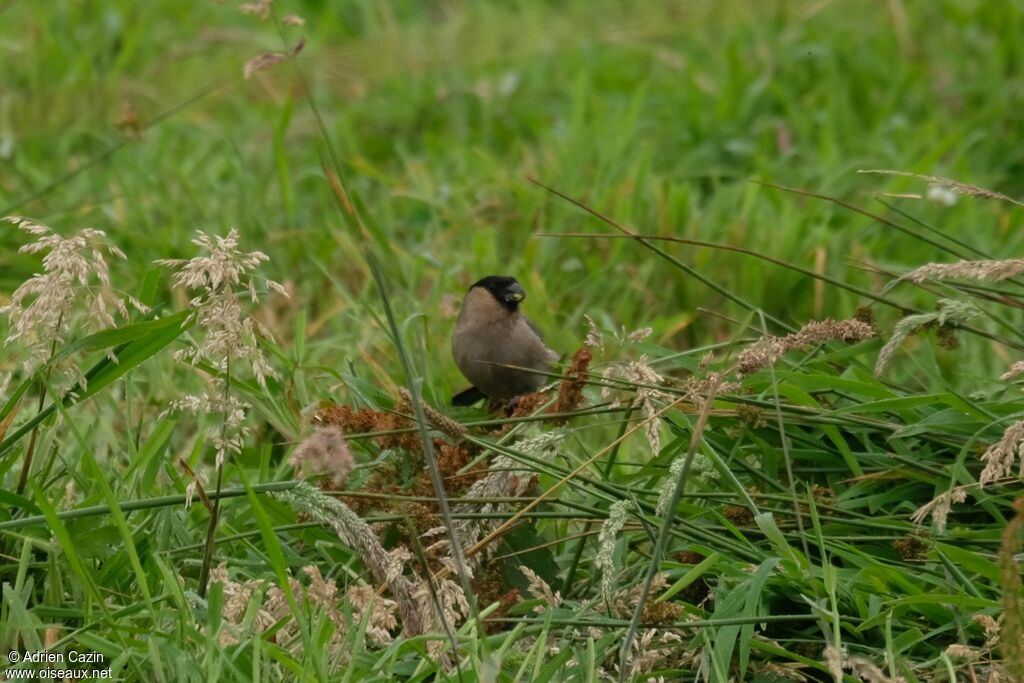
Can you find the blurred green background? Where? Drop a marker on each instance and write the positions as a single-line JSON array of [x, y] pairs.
[[135, 118], [667, 116]]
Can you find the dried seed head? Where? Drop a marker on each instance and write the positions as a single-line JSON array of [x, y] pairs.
[[1001, 456], [325, 451], [1014, 370], [540, 589], [939, 508], [259, 9]]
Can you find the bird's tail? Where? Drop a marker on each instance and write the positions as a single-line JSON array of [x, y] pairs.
[[468, 397]]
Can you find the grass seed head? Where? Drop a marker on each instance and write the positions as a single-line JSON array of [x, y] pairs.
[[73, 290]]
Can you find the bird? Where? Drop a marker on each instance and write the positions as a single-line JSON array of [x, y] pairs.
[[491, 334]]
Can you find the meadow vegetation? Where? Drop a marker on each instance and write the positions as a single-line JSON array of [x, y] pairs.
[[776, 243]]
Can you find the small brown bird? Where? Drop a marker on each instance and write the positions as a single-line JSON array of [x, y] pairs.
[[492, 333]]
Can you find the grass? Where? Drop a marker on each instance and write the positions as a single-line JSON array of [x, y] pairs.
[[675, 120]]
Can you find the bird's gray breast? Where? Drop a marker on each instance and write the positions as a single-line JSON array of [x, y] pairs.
[[481, 351]]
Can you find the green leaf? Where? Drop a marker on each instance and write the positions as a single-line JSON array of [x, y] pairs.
[[766, 523], [752, 608], [524, 541]]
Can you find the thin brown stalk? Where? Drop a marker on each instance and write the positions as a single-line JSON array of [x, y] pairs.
[[659, 251], [954, 185], [211, 529], [27, 464], [821, 277], [203, 498]]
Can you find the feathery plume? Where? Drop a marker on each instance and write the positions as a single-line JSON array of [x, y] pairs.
[[229, 341], [595, 338], [274, 607], [377, 611], [450, 607], [639, 372], [991, 628], [74, 288], [1014, 370], [766, 350], [939, 508], [949, 312], [669, 483], [505, 478], [325, 451], [606, 540], [269, 59], [259, 9], [987, 269], [387, 568], [1000, 457], [540, 589]]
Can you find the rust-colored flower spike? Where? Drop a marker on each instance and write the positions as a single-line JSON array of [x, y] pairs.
[[401, 434], [570, 390]]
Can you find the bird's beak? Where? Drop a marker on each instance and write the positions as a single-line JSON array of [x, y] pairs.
[[515, 293]]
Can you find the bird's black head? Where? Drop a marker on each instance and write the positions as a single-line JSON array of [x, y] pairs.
[[506, 290]]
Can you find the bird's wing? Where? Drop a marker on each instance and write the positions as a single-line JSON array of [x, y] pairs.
[[536, 330], [551, 355]]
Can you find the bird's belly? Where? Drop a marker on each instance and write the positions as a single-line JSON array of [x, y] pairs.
[[484, 367]]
